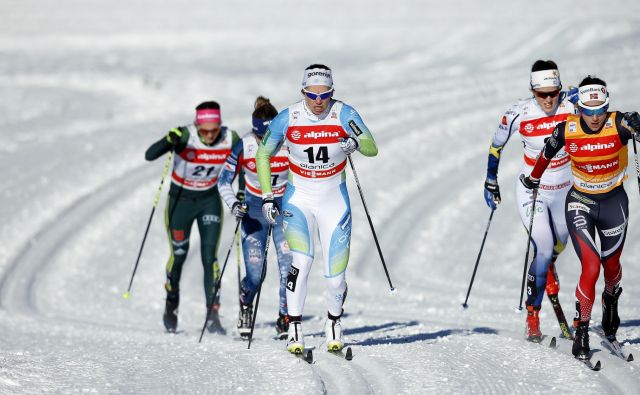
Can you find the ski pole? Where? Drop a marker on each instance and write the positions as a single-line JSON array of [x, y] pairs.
[[153, 210], [216, 285], [473, 276], [635, 151], [262, 276], [526, 257], [375, 237], [239, 270]]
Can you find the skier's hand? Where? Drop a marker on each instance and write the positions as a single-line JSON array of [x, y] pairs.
[[239, 209], [633, 120], [529, 182], [270, 209], [492, 193], [176, 135], [572, 94], [240, 196], [349, 145]]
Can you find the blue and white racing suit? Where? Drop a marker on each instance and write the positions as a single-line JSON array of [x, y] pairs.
[[254, 226]]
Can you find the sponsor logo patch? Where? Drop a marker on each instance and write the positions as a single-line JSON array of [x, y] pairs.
[[292, 278], [578, 207]]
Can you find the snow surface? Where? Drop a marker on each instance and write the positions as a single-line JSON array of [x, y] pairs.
[[87, 86]]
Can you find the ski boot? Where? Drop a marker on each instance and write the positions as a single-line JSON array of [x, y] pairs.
[[213, 320], [282, 326], [245, 318], [610, 318], [170, 317], [295, 339], [532, 327], [333, 332], [580, 348]]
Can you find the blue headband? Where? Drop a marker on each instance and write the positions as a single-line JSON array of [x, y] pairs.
[[260, 126]]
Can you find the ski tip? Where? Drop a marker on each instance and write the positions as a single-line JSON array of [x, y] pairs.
[[309, 356], [630, 358], [349, 354], [597, 366], [126, 295], [553, 342]]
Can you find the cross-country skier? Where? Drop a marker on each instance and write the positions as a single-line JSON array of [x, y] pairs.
[[254, 225], [201, 150], [320, 132], [534, 119], [596, 142]]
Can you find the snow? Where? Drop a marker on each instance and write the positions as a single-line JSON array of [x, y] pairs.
[[87, 86]]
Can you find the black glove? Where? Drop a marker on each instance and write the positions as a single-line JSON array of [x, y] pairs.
[[176, 135], [240, 196], [492, 193], [528, 182], [633, 119]]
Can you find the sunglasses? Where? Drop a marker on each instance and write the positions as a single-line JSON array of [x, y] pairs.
[[208, 131], [590, 113], [544, 95], [314, 96]]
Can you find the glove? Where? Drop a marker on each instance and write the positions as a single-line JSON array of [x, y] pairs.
[[270, 209], [349, 145], [633, 119], [572, 95], [240, 196], [528, 182], [492, 193], [175, 135], [239, 209]]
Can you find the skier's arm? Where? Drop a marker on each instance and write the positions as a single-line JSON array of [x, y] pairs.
[[628, 125], [510, 122], [270, 144], [228, 174], [175, 140], [553, 145], [352, 123]]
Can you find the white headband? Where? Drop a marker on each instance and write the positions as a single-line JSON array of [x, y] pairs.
[[545, 79], [593, 92], [317, 77]]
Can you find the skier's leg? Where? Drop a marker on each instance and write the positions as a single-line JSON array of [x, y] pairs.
[[284, 262], [297, 222], [612, 229], [254, 236], [210, 223], [561, 235], [178, 219], [334, 229]]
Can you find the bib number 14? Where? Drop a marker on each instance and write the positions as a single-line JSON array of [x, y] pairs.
[[322, 154]]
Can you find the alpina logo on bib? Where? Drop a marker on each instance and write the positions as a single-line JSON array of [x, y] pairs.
[[295, 135], [596, 147], [573, 148]]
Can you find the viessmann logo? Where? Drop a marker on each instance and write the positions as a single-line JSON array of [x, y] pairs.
[[590, 168]]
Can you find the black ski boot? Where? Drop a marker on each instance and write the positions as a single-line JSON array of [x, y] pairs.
[[282, 326], [580, 347], [610, 318], [213, 321], [245, 318], [170, 317]]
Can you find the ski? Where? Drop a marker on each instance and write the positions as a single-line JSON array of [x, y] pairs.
[[562, 321], [553, 344], [346, 354], [614, 346]]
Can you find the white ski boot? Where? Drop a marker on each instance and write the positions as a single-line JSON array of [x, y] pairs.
[[333, 331], [295, 339]]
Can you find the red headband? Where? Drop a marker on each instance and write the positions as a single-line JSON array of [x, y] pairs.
[[208, 115]]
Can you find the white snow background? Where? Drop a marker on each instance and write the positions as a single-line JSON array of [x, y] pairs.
[[87, 85]]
